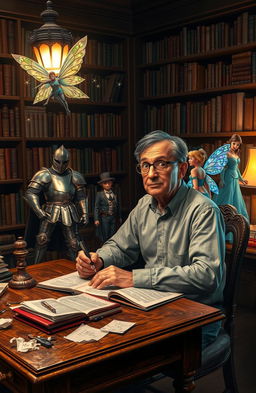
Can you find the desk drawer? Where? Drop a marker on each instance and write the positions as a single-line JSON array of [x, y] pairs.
[[11, 378]]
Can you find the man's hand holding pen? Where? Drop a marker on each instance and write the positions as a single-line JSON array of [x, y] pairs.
[[102, 278], [88, 264]]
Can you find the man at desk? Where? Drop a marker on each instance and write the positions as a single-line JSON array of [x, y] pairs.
[[178, 231]]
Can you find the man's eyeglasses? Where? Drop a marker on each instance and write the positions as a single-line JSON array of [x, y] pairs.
[[159, 166]]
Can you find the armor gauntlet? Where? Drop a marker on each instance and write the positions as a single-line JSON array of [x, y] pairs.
[[84, 217]]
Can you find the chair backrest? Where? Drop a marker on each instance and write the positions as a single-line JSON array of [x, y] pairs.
[[239, 227]]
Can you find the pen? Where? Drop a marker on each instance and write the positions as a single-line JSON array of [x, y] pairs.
[[88, 256], [48, 306]]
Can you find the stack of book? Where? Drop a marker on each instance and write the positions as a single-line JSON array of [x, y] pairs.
[[5, 274], [52, 315], [242, 68]]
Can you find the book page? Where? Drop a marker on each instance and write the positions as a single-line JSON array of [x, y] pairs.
[[71, 280], [85, 303], [145, 297], [74, 281], [37, 307]]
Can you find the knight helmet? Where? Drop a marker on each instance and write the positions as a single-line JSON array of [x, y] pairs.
[[60, 159]]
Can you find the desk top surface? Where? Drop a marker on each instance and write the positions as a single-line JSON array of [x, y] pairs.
[[165, 321]]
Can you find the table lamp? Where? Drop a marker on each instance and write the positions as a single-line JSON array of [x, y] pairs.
[[250, 169]]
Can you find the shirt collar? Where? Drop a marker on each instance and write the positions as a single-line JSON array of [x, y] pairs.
[[175, 202]]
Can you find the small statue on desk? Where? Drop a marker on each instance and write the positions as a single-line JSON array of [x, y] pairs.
[[52, 195], [107, 209]]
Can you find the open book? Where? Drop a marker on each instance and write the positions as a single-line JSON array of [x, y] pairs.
[[144, 299], [69, 307]]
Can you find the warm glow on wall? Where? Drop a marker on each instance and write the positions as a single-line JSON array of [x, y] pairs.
[[250, 170]]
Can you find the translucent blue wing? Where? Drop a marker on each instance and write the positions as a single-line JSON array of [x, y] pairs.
[[213, 186], [217, 160]]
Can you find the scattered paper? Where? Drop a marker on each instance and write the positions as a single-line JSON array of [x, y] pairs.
[[116, 326], [25, 346], [5, 323], [85, 333]]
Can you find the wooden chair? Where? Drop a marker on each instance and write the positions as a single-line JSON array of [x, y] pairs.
[[221, 352]]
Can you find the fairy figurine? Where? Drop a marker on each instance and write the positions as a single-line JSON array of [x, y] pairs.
[[57, 86], [198, 176], [229, 188]]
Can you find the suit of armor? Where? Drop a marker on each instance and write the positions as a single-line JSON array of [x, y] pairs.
[[52, 194]]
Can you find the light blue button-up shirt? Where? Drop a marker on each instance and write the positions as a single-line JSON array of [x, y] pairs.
[[183, 248]]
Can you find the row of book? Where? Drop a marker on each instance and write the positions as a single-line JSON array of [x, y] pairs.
[[9, 121], [243, 68], [84, 160], [11, 209], [8, 80], [98, 52], [176, 78], [7, 36], [104, 53], [226, 113], [39, 123], [191, 40], [8, 163]]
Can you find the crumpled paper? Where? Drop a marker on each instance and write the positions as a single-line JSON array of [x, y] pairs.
[[25, 346], [5, 322]]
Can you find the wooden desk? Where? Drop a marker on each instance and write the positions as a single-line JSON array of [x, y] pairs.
[[170, 334]]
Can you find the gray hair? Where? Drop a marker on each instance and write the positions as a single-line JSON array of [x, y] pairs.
[[180, 149]]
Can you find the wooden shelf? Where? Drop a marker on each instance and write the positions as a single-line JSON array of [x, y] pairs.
[[5, 228], [205, 92], [11, 181], [225, 52]]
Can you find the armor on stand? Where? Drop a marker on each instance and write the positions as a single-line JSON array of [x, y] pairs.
[[53, 194]]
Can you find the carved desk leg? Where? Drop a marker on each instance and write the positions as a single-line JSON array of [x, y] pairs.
[[186, 370]]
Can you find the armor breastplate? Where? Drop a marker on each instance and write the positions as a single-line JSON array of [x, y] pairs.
[[61, 189], [59, 199]]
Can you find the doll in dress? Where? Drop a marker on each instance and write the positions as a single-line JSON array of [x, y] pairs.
[[198, 177], [229, 188]]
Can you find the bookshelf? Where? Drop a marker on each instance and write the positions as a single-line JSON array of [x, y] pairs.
[[197, 81], [95, 133]]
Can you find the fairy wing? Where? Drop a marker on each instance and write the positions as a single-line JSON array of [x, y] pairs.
[[43, 93], [71, 80], [32, 67], [73, 92], [73, 61], [213, 186], [217, 160]]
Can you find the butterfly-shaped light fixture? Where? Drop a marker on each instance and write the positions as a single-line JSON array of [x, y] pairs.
[[57, 63]]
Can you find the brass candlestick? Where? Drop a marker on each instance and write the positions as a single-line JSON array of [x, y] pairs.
[[21, 279]]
